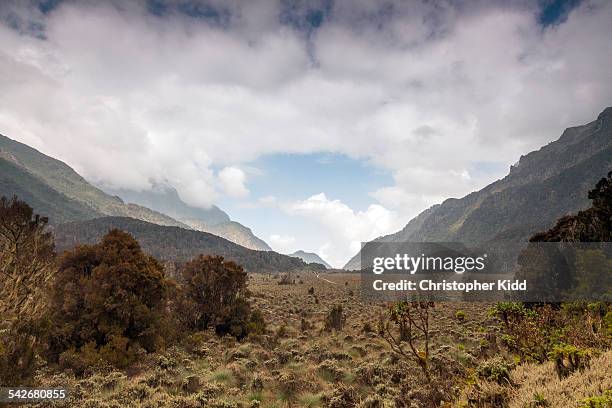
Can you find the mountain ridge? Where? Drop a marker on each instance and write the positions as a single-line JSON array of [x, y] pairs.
[[166, 200], [232, 231], [161, 206], [64, 179], [541, 187], [171, 243], [18, 181], [310, 257]]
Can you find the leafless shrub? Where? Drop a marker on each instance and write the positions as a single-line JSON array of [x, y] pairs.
[[26, 258], [286, 279], [412, 320]]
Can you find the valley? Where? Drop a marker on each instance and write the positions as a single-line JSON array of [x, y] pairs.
[[299, 363], [305, 204]]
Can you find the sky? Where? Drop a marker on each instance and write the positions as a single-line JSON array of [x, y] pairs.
[[318, 124]]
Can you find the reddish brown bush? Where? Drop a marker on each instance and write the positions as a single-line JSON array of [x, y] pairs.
[[107, 294], [210, 286]]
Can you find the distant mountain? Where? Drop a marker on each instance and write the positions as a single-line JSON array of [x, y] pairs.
[[166, 199], [232, 231], [59, 178], [173, 243], [54, 189], [543, 186], [310, 257], [213, 220]]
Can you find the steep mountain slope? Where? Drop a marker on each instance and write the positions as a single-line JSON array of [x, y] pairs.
[[310, 257], [214, 220], [591, 225], [63, 179], [544, 186], [173, 243], [15, 180], [53, 188]]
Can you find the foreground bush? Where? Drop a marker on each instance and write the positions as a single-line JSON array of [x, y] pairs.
[[335, 319], [412, 320], [109, 298], [569, 358], [211, 286], [234, 319], [26, 258], [214, 294], [26, 266], [17, 355]]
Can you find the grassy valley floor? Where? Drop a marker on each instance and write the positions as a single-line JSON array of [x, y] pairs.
[[299, 364]]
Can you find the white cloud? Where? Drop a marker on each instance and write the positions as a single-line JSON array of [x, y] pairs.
[[282, 243], [398, 199], [232, 181], [344, 227], [130, 99]]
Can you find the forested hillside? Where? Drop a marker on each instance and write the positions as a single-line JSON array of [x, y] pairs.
[[173, 243]]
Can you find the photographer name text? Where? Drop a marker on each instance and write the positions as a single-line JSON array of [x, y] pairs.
[[444, 285]]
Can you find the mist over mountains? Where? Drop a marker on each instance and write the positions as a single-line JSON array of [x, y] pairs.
[[166, 199], [42, 178], [54, 189], [81, 213], [543, 186]]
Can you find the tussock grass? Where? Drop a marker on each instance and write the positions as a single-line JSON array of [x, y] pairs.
[[569, 392], [351, 366]]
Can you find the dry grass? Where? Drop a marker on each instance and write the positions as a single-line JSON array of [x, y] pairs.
[[304, 366], [542, 380]]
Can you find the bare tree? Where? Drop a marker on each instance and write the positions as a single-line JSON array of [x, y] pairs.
[[412, 322], [26, 258]]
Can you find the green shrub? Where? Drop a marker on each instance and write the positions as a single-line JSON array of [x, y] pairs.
[[460, 315], [330, 371], [341, 397], [257, 324], [496, 369], [607, 322], [538, 401], [288, 385], [569, 358], [600, 401], [508, 340], [510, 312]]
